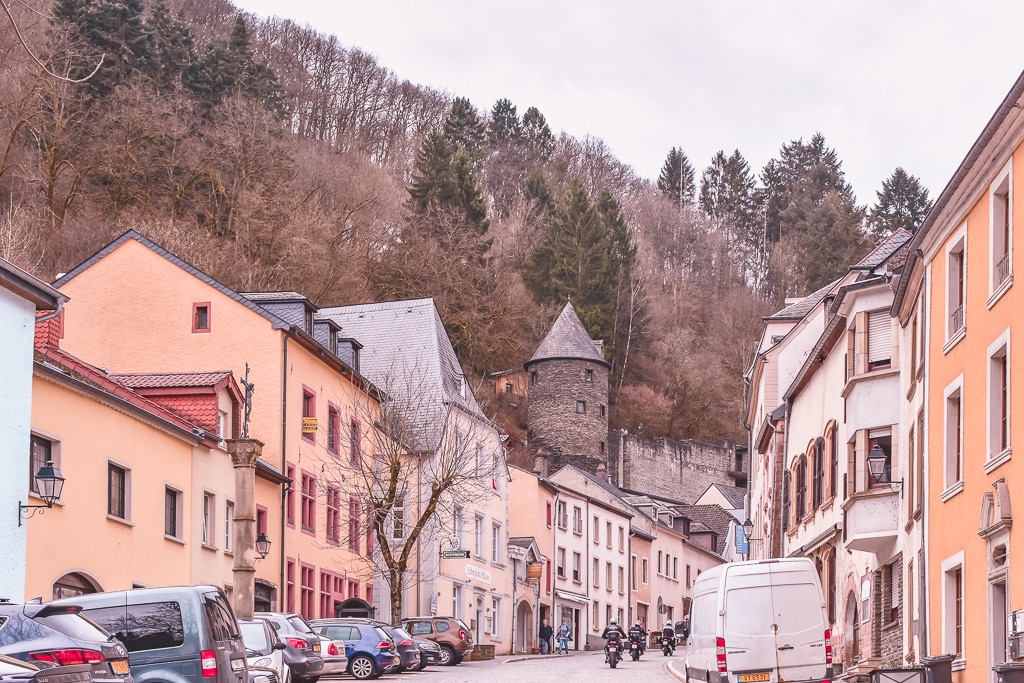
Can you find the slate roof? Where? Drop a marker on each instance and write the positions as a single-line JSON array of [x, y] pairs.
[[881, 253], [801, 308], [568, 338], [736, 495], [711, 516], [273, 296], [407, 353], [521, 541]]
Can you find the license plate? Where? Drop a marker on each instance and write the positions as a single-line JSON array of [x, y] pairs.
[[119, 666], [748, 678], [316, 647], [237, 664]]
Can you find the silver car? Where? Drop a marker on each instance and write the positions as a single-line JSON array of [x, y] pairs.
[[333, 653]]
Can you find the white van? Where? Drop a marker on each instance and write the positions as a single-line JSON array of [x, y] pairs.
[[758, 621]]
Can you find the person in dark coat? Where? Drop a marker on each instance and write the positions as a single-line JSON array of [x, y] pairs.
[[546, 632]]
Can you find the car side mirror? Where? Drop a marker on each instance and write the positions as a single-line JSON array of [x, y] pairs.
[[280, 645]]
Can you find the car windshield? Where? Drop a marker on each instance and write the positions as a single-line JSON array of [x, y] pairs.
[[299, 624], [401, 633], [74, 625], [255, 636]]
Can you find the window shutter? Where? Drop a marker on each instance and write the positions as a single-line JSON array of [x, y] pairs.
[[879, 337]]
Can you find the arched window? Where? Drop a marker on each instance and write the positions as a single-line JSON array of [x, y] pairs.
[[800, 493], [818, 495], [786, 497], [830, 569], [72, 585], [833, 459]]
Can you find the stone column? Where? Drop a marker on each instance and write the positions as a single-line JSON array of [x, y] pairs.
[[244, 453]]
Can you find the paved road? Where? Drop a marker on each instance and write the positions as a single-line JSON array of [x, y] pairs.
[[583, 667]]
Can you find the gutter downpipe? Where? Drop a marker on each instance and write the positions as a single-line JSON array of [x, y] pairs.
[[785, 467], [554, 554], [284, 469]]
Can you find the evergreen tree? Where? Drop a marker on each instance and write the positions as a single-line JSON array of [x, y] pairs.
[[504, 127], [444, 184], [173, 48], [902, 203], [537, 136], [676, 179], [728, 196], [464, 128]]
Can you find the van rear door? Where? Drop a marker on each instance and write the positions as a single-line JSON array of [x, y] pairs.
[[799, 623], [748, 627]]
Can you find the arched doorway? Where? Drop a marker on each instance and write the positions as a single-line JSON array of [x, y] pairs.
[[74, 584], [354, 607], [524, 627]]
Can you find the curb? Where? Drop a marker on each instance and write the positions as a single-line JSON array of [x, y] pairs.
[[670, 667]]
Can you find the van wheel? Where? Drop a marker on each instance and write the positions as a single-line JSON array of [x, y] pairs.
[[362, 668], [448, 657]]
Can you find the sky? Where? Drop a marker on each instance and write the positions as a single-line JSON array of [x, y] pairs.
[[889, 83]]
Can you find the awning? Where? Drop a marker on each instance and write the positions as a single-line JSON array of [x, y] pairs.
[[572, 597]]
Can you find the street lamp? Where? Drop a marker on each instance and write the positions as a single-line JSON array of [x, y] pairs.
[[878, 467], [748, 527], [49, 484], [263, 545]]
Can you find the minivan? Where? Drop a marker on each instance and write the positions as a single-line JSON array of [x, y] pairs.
[[176, 634], [758, 621]]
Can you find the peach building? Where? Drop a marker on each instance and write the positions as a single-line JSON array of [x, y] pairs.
[[309, 406], [958, 290]]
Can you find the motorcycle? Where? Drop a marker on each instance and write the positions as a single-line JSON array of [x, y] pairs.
[[634, 647], [667, 645], [613, 651]]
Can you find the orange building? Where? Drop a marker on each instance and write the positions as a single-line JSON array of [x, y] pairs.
[[961, 272], [143, 310]]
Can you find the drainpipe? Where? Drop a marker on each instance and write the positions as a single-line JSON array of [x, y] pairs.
[[284, 470]]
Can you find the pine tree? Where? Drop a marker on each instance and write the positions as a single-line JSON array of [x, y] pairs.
[[676, 179], [504, 128], [902, 203], [173, 48], [464, 128], [728, 196], [537, 136]]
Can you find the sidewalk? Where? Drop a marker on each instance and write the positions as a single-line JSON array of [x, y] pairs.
[[523, 656]]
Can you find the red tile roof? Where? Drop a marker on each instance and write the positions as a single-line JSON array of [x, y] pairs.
[[49, 332], [173, 380], [193, 395]]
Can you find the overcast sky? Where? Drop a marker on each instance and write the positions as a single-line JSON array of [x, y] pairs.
[[889, 83]]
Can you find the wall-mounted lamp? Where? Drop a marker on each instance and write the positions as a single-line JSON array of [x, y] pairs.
[[878, 467], [49, 484], [263, 545], [748, 527]]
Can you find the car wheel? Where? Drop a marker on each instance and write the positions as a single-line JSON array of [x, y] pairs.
[[362, 668], [458, 660], [448, 656], [423, 663]]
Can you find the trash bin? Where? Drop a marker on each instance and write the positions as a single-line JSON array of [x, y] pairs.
[[1009, 672], [938, 669]]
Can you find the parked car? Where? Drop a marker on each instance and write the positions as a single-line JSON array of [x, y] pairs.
[[174, 634], [370, 649], [302, 652], [58, 635], [16, 671], [450, 633], [430, 652], [333, 653], [262, 674], [263, 649]]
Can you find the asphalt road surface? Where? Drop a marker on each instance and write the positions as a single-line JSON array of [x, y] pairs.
[[581, 667]]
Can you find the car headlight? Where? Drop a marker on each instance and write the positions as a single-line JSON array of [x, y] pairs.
[[261, 679], [263, 661]]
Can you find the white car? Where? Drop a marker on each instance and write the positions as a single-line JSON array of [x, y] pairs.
[[333, 653], [263, 649]]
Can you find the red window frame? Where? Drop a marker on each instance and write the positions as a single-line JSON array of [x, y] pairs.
[[307, 594], [333, 429], [201, 308], [308, 410], [308, 503], [355, 436], [354, 509], [289, 497], [333, 514]]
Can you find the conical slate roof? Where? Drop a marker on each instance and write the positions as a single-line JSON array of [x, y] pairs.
[[568, 339]]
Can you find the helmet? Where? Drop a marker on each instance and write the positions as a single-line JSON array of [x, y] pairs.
[[613, 623], [668, 624], [637, 622]]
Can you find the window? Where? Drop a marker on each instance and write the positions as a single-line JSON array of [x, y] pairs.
[[954, 434], [308, 504], [201, 317], [608, 534], [508, 387], [786, 496], [581, 406], [596, 571], [956, 267], [999, 397], [478, 536], [832, 580], [675, 568], [172, 512], [289, 496], [622, 580], [117, 491], [354, 438], [576, 559], [608, 576], [595, 610], [308, 414], [597, 530], [622, 539], [333, 429], [208, 509], [533, 377], [229, 525], [607, 613], [643, 570], [333, 501], [398, 521], [261, 520], [632, 572], [687, 576], [560, 563], [832, 444], [307, 598], [290, 586], [800, 487], [1000, 230], [563, 515], [496, 543], [891, 577], [588, 375], [495, 618], [919, 462], [40, 451], [818, 465], [953, 609], [577, 520], [661, 559], [879, 340], [354, 511], [882, 440], [547, 515], [459, 523]]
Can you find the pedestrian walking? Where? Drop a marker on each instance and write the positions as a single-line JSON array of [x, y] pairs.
[[545, 636], [564, 636]]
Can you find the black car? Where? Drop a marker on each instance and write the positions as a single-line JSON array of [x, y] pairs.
[[59, 635], [16, 671], [430, 652], [302, 654]]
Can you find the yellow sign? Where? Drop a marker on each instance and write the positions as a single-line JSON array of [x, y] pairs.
[[308, 425]]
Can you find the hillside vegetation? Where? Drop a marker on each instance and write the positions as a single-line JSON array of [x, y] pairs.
[[273, 157]]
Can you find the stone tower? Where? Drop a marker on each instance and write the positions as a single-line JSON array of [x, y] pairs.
[[567, 408]]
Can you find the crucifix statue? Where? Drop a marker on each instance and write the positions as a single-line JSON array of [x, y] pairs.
[[249, 388]]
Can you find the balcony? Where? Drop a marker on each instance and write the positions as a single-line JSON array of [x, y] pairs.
[[872, 520]]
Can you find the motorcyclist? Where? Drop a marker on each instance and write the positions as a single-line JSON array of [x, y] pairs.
[[668, 635], [613, 630], [637, 631]]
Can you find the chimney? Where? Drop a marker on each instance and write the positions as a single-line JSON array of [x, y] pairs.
[[541, 464]]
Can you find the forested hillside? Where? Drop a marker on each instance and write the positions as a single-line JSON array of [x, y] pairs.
[[273, 157]]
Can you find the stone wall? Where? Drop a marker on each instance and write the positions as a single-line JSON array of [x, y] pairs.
[[888, 634], [554, 425], [681, 470]]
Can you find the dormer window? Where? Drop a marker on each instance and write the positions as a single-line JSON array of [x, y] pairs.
[[309, 321], [460, 385], [201, 317]]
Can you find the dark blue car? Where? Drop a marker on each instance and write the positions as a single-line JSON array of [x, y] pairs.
[[370, 650]]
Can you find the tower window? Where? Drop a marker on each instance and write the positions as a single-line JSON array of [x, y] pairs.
[[602, 411], [589, 375], [533, 377], [581, 406], [602, 446]]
